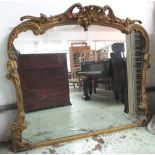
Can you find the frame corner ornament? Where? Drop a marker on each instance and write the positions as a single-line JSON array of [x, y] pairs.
[[18, 144]]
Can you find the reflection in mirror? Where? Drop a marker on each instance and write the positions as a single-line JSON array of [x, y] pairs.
[[95, 64]]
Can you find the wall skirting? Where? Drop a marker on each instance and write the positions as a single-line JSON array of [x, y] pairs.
[[8, 107], [150, 89]]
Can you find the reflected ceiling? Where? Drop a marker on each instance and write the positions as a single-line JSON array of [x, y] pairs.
[[79, 28]]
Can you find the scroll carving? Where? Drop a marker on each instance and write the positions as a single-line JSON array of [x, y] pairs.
[[18, 144], [86, 16]]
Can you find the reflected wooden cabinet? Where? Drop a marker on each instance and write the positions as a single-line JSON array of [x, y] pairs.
[[79, 52], [44, 80]]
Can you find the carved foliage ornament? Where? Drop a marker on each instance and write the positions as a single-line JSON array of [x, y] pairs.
[[85, 16]]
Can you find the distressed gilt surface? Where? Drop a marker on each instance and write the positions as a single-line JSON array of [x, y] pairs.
[[86, 16]]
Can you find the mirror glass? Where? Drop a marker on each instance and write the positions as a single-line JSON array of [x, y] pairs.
[[108, 105]]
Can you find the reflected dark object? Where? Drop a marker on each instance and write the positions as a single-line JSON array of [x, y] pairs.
[[119, 74], [118, 47]]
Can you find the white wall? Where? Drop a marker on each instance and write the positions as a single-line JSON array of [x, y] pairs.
[[12, 10]]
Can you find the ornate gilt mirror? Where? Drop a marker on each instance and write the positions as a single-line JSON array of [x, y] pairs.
[[86, 19]]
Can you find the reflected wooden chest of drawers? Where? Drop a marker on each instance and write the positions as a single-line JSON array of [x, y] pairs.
[[44, 80]]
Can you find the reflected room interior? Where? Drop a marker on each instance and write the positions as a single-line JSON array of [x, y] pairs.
[[73, 81]]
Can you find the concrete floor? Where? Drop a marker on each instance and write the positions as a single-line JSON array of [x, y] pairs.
[[101, 112], [131, 141]]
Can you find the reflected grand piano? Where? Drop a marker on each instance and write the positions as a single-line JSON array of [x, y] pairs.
[[93, 71], [113, 71]]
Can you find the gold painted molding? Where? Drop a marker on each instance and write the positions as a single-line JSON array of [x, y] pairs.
[[85, 135], [86, 16]]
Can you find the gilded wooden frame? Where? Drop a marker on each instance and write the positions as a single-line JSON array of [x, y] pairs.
[[87, 15]]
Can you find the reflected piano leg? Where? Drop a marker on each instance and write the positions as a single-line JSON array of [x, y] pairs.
[[94, 85], [90, 86], [126, 105], [86, 82], [116, 94]]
